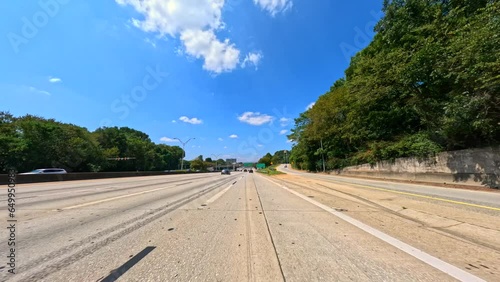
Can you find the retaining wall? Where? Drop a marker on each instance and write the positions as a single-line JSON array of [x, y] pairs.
[[476, 167]]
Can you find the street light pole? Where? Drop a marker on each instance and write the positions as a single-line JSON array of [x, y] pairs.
[[322, 155], [184, 151], [216, 159]]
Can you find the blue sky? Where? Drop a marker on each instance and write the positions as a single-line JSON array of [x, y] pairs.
[[232, 74]]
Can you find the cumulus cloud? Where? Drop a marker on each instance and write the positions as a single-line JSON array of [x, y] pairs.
[[255, 118], [174, 121], [233, 136], [220, 139], [191, 120], [54, 79], [195, 23], [218, 56], [284, 131], [274, 6], [166, 139], [310, 106]]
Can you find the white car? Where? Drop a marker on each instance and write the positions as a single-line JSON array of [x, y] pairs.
[[46, 171]]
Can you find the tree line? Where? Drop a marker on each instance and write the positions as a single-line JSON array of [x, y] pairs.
[[30, 142], [428, 82], [279, 157]]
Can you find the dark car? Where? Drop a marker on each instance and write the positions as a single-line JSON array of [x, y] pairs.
[[225, 171], [251, 170], [245, 170]]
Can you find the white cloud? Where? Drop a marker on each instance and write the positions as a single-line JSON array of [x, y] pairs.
[[284, 131], [174, 121], [274, 6], [191, 120], [220, 139], [225, 147], [310, 106], [54, 79], [233, 136], [252, 59], [284, 121], [255, 118], [150, 42], [289, 141], [260, 145], [166, 139], [195, 23], [37, 91], [219, 56]]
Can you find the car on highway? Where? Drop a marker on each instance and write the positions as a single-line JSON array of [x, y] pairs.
[[46, 171], [250, 170], [225, 171]]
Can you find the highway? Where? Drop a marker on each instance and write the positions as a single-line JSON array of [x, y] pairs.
[[251, 227]]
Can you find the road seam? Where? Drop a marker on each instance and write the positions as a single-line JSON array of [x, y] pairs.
[[415, 195], [269, 230], [443, 266]]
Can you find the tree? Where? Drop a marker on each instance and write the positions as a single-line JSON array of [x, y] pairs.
[[427, 82], [267, 159], [198, 164]]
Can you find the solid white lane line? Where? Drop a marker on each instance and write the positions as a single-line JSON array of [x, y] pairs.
[[218, 195], [110, 199], [445, 267]]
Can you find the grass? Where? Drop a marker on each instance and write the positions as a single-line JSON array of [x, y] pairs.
[[270, 170]]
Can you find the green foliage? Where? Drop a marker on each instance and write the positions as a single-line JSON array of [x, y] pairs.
[[198, 164], [31, 142], [270, 170], [429, 81], [267, 159]]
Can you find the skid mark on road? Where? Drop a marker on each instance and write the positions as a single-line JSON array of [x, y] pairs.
[[110, 199]]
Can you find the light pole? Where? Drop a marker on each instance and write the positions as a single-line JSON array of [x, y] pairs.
[[184, 151], [216, 159], [285, 156], [322, 155]]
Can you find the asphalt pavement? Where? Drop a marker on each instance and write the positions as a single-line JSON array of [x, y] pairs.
[[201, 227]]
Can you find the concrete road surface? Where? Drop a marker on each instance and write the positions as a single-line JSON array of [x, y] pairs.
[[238, 227]]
